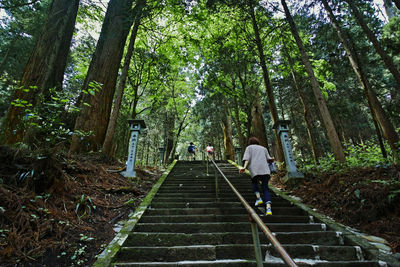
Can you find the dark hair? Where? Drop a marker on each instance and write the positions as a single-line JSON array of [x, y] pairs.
[[209, 144], [253, 141], [191, 143]]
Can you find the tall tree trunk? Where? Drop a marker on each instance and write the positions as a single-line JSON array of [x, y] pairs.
[[220, 146], [103, 69], [326, 116], [378, 131], [247, 110], [371, 36], [228, 139], [122, 82], [307, 118], [257, 122], [135, 100], [147, 142], [242, 138], [181, 127], [45, 67], [155, 150], [377, 112], [267, 82], [170, 124]]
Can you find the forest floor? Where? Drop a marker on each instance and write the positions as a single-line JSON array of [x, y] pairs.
[[61, 211], [366, 199]]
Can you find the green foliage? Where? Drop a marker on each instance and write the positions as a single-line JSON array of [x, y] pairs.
[[323, 73], [363, 155], [48, 118], [93, 88], [188, 52], [84, 206], [131, 201], [50, 122], [393, 186], [367, 154], [391, 36], [20, 26]]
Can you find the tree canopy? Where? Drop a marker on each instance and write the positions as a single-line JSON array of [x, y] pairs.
[[204, 71]]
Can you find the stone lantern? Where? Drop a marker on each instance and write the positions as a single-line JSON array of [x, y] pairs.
[[282, 128]]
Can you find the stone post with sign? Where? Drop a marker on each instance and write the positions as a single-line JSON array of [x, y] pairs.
[[136, 127], [293, 174]]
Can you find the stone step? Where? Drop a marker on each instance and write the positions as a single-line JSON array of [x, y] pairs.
[[235, 251], [300, 251], [208, 195], [204, 188], [202, 174], [206, 179], [197, 204], [220, 263], [327, 238], [248, 263], [224, 218], [225, 227], [276, 203], [203, 185], [218, 211], [250, 200]]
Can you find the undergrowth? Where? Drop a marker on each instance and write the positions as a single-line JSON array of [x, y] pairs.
[[363, 155]]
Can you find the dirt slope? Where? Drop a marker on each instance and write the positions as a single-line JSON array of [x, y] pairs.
[[59, 211], [367, 199]]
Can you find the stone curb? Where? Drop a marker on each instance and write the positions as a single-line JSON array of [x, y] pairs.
[[357, 240], [108, 254]]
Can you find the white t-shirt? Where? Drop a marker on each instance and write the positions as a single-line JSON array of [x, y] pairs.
[[210, 149], [257, 156]]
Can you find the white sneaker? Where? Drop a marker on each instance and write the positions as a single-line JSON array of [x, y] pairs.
[[268, 211], [258, 202]]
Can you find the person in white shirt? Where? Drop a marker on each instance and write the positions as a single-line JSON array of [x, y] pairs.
[[256, 157]]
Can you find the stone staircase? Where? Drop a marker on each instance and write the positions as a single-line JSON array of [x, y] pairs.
[[185, 225]]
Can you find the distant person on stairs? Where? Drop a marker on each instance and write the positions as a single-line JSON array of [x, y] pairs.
[[210, 150], [256, 157], [192, 151]]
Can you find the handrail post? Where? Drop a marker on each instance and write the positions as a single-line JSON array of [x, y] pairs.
[[256, 241], [207, 165], [216, 183]]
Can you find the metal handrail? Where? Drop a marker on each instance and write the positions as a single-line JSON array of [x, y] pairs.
[[254, 216]]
